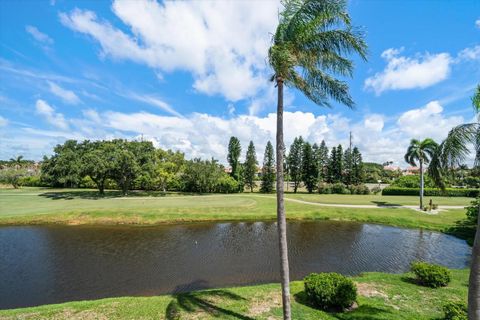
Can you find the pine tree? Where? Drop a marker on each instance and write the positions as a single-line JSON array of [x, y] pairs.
[[250, 166], [339, 166], [322, 159], [295, 162], [348, 170], [331, 168], [309, 168], [357, 167], [268, 170], [234, 150]]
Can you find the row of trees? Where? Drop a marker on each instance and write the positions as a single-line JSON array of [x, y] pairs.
[[313, 164], [129, 165]]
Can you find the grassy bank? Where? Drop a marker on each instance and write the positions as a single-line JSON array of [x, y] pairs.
[[40, 206], [381, 296]]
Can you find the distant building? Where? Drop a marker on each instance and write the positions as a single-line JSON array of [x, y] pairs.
[[392, 168], [412, 171]]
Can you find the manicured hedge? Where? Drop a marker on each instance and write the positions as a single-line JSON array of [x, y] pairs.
[[430, 192], [431, 275], [330, 291]]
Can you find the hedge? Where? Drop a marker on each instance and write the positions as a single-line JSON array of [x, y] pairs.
[[431, 192]]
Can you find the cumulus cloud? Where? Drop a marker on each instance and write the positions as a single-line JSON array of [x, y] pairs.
[[49, 114], [472, 53], [401, 72], [66, 95], [39, 36], [225, 54]]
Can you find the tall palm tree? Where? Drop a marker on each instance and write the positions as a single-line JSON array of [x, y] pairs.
[[309, 48], [451, 153], [421, 152]]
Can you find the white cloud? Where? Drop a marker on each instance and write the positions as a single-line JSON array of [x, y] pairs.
[[402, 72], [3, 122], [153, 101], [39, 36], [472, 53], [46, 111], [66, 95], [226, 53], [477, 23]]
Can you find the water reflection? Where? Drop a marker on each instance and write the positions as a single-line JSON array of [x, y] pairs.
[[54, 264]]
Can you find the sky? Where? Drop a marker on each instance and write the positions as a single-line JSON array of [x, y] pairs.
[[189, 75]]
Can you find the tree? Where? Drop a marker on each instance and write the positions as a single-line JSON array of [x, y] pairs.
[[331, 168], [357, 167], [309, 168], [17, 161], [348, 167], [451, 153], [97, 163], [321, 156], [234, 150], [250, 166], [295, 162], [169, 166], [339, 164], [268, 169], [308, 50], [421, 152]]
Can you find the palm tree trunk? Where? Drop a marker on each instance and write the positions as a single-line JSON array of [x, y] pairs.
[[281, 219], [421, 185], [474, 280]]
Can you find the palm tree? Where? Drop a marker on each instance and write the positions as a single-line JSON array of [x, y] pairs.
[[17, 162], [308, 49], [421, 151], [451, 153]]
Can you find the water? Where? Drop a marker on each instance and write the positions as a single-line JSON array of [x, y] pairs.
[[40, 264]]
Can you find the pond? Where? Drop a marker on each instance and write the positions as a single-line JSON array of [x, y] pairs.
[[52, 264]]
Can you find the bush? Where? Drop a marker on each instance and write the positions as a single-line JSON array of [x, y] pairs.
[[413, 182], [431, 192], [226, 184], [330, 291], [359, 189], [431, 275], [339, 188], [324, 188], [472, 211], [455, 311], [376, 190]]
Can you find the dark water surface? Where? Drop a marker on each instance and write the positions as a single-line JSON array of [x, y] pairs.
[[40, 265]]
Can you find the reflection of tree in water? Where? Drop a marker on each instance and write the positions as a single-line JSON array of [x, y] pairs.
[[206, 301]]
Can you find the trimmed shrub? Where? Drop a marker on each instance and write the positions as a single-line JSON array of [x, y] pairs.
[[413, 181], [328, 291], [455, 311], [359, 189], [431, 192], [226, 184], [339, 188], [431, 275]]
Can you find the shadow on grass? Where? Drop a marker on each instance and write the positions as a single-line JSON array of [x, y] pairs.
[[363, 312], [95, 195], [463, 229], [208, 302], [386, 204]]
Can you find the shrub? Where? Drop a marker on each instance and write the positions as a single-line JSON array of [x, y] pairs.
[[226, 184], [330, 291], [359, 189], [431, 275], [413, 182], [339, 188], [431, 192], [376, 190], [324, 188], [472, 211], [455, 311]]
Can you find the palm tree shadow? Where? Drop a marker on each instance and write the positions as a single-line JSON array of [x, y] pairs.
[[463, 229], [363, 312], [203, 301], [386, 204]]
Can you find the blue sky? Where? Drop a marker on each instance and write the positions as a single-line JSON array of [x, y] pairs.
[[188, 75]]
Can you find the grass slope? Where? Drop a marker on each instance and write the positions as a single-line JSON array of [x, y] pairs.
[[381, 296], [38, 206]]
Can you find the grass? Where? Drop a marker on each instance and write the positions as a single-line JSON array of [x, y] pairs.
[[71, 206], [381, 296]]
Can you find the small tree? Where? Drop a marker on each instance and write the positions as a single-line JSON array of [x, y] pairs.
[[309, 168], [295, 162], [268, 170], [234, 150], [250, 167]]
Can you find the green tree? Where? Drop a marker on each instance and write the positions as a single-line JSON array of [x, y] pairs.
[[421, 152], [451, 153], [169, 166], [295, 162], [348, 167], [358, 173], [125, 166], [97, 162], [339, 164], [308, 50], [64, 167], [309, 168], [250, 166], [322, 160], [268, 169], [331, 167], [234, 150]]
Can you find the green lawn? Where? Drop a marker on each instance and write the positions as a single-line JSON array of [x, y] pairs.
[[381, 296], [69, 206]]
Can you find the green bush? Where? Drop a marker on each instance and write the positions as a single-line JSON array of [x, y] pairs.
[[413, 181], [359, 189], [226, 184], [472, 211], [376, 190], [431, 192], [324, 188], [330, 291], [431, 275], [455, 311], [339, 188]]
